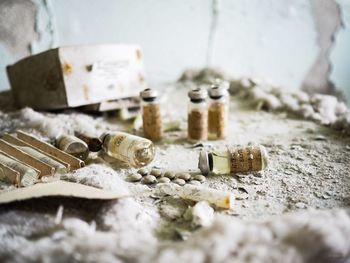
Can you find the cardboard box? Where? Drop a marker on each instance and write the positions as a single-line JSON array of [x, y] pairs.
[[77, 75]]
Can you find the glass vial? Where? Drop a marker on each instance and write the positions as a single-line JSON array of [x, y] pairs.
[[218, 111], [197, 115], [28, 176], [233, 160], [59, 168], [151, 115], [130, 149], [73, 145]]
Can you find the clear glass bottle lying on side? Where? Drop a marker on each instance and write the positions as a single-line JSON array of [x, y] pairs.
[[151, 115], [218, 111], [73, 145], [233, 160], [130, 149], [197, 121]]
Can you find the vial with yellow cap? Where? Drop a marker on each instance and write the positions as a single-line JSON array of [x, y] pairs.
[[233, 160]]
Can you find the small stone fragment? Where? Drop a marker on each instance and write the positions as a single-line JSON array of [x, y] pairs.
[[143, 172], [156, 172], [201, 214], [135, 177], [169, 174], [179, 181], [149, 179], [194, 182], [164, 180], [300, 205], [183, 176], [199, 177]]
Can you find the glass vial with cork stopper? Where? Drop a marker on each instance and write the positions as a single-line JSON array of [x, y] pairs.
[[197, 128], [133, 150], [218, 111], [151, 115], [233, 160]]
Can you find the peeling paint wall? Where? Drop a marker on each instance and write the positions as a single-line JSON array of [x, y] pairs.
[[293, 43]]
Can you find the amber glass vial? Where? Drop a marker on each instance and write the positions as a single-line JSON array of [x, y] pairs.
[[218, 111], [151, 115], [197, 116]]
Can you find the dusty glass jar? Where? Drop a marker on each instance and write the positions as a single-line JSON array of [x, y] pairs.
[[133, 150], [151, 115], [218, 112], [197, 121], [233, 160]]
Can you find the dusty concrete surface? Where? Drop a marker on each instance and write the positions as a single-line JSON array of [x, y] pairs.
[[295, 211]]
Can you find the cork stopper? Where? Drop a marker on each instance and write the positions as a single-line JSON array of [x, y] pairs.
[[148, 94], [197, 94]]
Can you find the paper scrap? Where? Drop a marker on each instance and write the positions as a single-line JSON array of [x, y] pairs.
[[59, 188]]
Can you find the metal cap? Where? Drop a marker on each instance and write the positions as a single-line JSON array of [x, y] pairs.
[[197, 94], [103, 136], [217, 91], [203, 162], [148, 93], [222, 83]]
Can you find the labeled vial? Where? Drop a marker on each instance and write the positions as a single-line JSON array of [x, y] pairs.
[[73, 145], [130, 149], [28, 176], [59, 167], [151, 115], [197, 115], [218, 111], [233, 160]]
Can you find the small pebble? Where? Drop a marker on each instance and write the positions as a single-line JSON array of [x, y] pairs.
[[179, 181], [156, 172], [143, 171], [149, 179], [164, 180], [169, 174], [194, 182], [199, 177], [135, 177], [183, 176]]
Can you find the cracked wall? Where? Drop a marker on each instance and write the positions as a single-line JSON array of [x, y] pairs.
[[293, 43]]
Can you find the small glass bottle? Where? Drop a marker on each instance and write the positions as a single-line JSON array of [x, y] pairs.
[[130, 149], [197, 115], [151, 115], [73, 145], [218, 111], [233, 160], [28, 176]]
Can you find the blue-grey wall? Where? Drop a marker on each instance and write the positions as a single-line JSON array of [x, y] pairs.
[[281, 41]]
